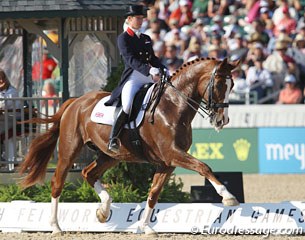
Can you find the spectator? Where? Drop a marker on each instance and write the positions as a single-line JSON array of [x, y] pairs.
[[256, 51], [155, 27], [259, 27], [183, 14], [216, 41], [152, 15], [254, 38], [159, 49], [264, 15], [155, 36], [200, 9], [164, 11], [175, 37], [278, 13], [253, 12], [286, 23], [8, 91], [258, 78], [240, 88], [301, 24], [290, 94], [218, 7], [269, 26], [171, 61], [198, 30], [240, 50], [193, 51], [297, 52], [48, 65], [217, 27], [214, 52], [276, 64], [49, 92]]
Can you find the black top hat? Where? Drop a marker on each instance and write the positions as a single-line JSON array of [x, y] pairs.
[[133, 10]]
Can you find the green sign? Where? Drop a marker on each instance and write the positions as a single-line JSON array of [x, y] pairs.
[[229, 150]]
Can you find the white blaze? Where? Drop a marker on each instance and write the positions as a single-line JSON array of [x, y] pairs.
[[226, 100]]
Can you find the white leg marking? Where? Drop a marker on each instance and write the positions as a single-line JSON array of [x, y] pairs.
[[104, 210], [144, 222], [53, 219], [222, 190], [101, 191]]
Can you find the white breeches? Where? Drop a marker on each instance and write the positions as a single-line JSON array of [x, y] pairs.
[[133, 84]]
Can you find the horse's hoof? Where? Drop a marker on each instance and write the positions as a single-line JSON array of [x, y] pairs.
[[230, 202], [101, 216], [56, 233], [56, 230], [151, 234]]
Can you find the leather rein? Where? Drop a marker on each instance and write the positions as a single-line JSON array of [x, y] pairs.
[[204, 106]]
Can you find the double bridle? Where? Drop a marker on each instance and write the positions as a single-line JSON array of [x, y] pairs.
[[211, 104], [210, 107]]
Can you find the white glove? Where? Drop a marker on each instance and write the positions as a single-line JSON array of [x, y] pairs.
[[167, 72], [154, 71]]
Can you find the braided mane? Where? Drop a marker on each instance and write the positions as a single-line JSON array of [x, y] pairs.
[[187, 64]]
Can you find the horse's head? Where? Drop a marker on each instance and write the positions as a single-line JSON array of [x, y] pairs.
[[216, 92]]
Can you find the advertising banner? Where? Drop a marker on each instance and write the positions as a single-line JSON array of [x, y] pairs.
[[282, 150], [228, 150], [193, 218]]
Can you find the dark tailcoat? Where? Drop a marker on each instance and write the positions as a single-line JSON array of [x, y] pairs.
[[137, 53]]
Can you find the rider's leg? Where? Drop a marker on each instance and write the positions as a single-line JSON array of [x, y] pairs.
[[131, 87], [134, 83], [114, 144]]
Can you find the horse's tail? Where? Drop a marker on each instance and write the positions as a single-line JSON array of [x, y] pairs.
[[41, 149]]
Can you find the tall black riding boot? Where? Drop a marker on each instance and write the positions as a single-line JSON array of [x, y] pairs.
[[114, 142]]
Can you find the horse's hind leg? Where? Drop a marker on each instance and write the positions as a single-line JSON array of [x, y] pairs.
[[67, 153], [161, 175], [92, 174], [185, 160]]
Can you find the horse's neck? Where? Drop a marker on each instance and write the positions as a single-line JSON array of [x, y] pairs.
[[186, 83], [185, 88]]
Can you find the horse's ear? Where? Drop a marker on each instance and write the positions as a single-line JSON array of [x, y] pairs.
[[235, 64], [223, 64], [231, 65]]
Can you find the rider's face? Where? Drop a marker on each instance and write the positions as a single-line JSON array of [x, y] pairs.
[[135, 21]]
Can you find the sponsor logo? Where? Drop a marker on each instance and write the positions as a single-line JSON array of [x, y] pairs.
[[286, 152], [208, 151], [242, 148]]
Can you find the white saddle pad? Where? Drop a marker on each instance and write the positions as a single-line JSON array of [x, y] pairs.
[[105, 114]]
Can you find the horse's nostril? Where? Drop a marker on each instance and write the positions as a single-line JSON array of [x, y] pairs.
[[219, 123]]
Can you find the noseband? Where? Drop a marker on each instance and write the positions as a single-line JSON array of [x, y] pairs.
[[209, 107], [211, 104]]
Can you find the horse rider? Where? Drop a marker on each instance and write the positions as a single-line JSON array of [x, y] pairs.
[[141, 67]]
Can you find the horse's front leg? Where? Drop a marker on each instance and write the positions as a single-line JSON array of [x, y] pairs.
[[185, 160], [92, 173], [161, 176]]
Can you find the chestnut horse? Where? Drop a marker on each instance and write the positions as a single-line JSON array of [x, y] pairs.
[[201, 84]]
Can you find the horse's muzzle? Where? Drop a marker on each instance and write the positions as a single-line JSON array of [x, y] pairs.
[[219, 121]]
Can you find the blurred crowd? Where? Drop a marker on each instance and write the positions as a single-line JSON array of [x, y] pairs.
[[267, 36]]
